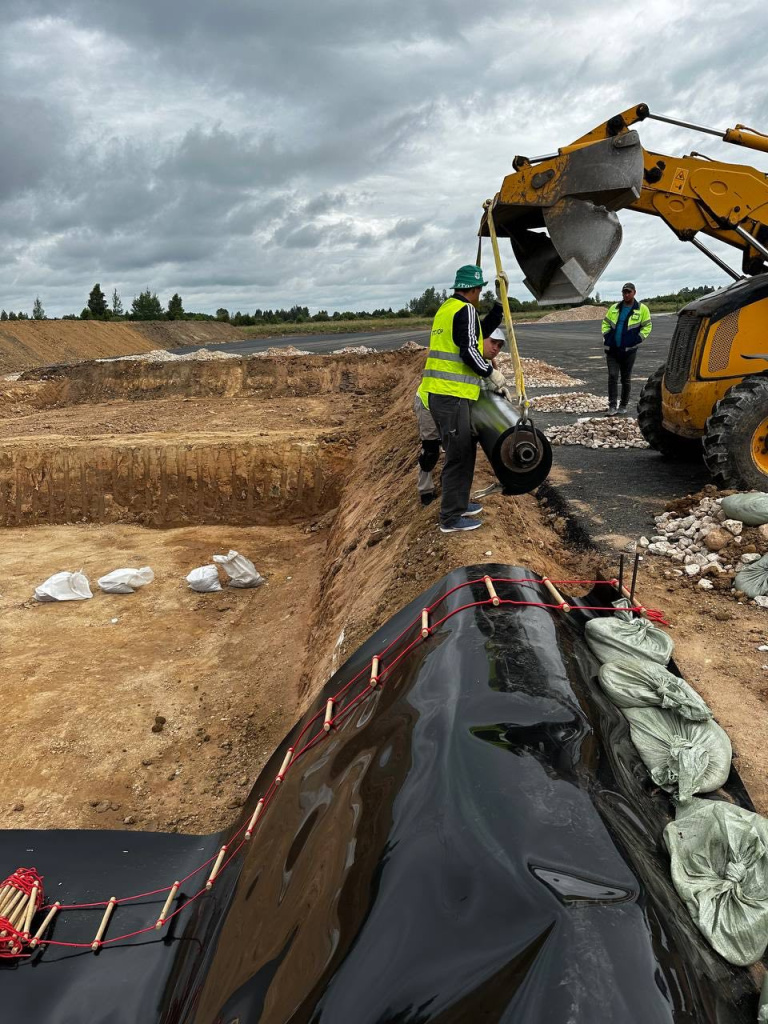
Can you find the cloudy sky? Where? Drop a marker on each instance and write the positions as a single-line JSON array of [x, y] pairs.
[[332, 153]]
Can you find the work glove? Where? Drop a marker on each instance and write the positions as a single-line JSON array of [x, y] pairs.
[[497, 380], [502, 277]]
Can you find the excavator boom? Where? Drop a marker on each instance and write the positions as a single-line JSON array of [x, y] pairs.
[[574, 195]]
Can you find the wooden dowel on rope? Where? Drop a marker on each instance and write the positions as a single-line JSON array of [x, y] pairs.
[[167, 905], [104, 922], [328, 721], [216, 868], [7, 894], [641, 610], [425, 622], [254, 818], [285, 766], [41, 930], [31, 908], [491, 591], [375, 671], [11, 910], [564, 606]]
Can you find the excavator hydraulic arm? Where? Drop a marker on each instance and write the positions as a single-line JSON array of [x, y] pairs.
[[573, 194]]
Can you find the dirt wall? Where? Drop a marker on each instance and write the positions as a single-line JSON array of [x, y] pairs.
[[159, 480], [28, 343], [275, 377]]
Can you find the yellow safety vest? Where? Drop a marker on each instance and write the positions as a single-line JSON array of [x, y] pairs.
[[445, 372]]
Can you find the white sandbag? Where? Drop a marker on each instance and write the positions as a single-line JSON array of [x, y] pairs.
[[64, 586], [241, 571], [204, 579], [682, 757], [719, 864], [750, 509], [619, 636], [753, 578], [633, 683], [126, 581]]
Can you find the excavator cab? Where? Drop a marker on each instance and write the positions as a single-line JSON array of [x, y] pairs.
[[559, 212]]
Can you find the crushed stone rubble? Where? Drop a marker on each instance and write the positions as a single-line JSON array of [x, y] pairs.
[[579, 313], [569, 401], [354, 350], [163, 355], [599, 432], [537, 373], [707, 547]]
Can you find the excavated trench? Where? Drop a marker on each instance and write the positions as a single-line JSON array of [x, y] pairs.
[[159, 480], [157, 710]]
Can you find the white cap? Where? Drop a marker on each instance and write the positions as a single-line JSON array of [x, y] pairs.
[[499, 334]]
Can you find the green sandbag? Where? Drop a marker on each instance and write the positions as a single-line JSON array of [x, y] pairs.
[[720, 870], [682, 757], [620, 636], [753, 578], [750, 509], [632, 683]]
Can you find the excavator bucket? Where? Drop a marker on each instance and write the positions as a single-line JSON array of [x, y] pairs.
[[559, 215]]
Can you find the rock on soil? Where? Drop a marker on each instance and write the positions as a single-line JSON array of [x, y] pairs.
[[575, 401], [537, 373], [578, 313], [162, 355], [354, 350], [599, 432], [697, 535]]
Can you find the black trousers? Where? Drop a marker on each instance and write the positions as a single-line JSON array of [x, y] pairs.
[[620, 363], [452, 418]]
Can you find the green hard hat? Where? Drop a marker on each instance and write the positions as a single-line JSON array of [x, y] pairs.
[[469, 276]]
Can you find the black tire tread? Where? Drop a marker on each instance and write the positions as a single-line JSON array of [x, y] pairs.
[[727, 434]]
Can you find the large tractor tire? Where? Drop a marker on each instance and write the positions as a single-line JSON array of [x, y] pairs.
[[670, 445], [736, 439]]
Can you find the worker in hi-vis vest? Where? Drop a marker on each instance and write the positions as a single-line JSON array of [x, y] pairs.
[[451, 382]]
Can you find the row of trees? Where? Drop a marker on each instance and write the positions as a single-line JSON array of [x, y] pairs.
[[147, 306]]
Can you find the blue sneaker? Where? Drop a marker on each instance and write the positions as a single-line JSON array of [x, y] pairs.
[[473, 509], [460, 525]]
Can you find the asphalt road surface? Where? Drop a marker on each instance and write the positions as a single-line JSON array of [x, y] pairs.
[[613, 492]]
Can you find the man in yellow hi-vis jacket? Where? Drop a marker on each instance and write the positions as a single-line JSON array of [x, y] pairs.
[[625, 325], [451, 382]]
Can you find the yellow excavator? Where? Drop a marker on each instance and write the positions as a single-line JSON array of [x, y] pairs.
[[559, 211]]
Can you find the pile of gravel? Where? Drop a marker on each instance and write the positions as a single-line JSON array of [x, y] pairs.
[[354, 350], [579, 313], [162, 355], [573, 401], [537, 373], [287, 350], [412, 346], [599, 432], [708, 547]]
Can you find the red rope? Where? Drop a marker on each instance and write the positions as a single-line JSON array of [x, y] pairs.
[[340, 715]]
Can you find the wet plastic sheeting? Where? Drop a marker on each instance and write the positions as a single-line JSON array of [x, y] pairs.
[[466, 848], [478, 841]]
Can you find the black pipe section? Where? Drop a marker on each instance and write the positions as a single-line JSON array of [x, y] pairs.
[[519, 454]]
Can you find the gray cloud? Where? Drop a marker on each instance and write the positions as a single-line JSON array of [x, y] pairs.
[[332, 154]]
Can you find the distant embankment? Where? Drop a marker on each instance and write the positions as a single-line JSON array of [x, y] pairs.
[[28, 343]]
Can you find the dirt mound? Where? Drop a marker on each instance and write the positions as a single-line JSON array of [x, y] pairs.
[[578, 313], [28, 343]]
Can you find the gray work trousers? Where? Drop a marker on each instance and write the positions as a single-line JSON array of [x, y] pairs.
[[427, 432], [452, 418], [620, 363]]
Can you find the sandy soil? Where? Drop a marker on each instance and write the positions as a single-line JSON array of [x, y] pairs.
[[84, 681]]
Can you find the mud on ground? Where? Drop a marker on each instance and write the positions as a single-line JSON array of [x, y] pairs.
[[229, 672]]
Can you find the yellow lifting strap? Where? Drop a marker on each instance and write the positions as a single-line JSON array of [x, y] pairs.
[[511, 339]]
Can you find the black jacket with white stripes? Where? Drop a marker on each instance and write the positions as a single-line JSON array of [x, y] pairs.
[[466, 324]]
